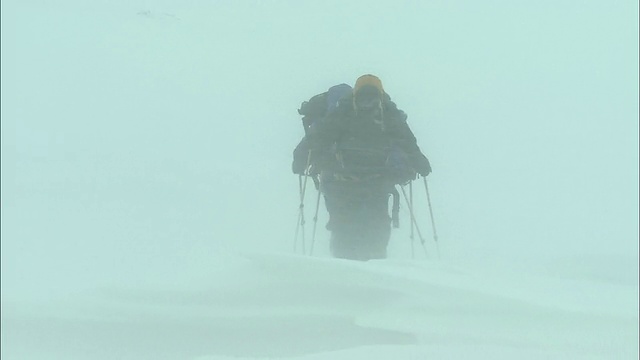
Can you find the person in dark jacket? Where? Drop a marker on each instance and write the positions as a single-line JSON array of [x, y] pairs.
[[362, 150]]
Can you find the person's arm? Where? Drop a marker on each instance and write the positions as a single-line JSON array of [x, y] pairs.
[[322, 136], [405, 139], [300, 157]]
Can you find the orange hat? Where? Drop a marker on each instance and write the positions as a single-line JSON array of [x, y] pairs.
[[368, 79]]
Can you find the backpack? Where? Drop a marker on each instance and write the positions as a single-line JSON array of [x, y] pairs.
[[321, 105], [312, 111]]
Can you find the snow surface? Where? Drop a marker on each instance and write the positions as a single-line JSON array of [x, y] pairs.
[[148, 207], [269, 305]]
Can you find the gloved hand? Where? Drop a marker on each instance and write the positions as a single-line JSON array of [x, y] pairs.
[[298, 167], [423, 167]]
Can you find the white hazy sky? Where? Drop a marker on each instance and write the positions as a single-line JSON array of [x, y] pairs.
[[142, 136]]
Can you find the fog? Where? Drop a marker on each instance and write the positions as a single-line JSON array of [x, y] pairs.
[[143, 140]]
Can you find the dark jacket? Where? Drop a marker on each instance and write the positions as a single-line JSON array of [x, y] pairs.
[[349, 142]]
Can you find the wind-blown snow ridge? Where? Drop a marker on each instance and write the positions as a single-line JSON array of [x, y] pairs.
[[262, 305]]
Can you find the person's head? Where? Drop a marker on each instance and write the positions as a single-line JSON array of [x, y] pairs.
[[367, 94]]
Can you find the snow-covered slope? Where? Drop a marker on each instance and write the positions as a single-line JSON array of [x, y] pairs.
[[267, 305]]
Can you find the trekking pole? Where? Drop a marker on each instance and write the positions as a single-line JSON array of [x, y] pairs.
[[413, 255], [301, 221], [433, 224], [298, 224], [315, 223], [413, 219]]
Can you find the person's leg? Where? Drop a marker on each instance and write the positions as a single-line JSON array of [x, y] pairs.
[[376, 227]]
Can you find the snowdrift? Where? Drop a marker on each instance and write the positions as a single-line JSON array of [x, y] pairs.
[[267, 305]]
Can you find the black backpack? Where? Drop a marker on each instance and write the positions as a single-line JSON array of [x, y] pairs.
[[320, 105], [312, 110]]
